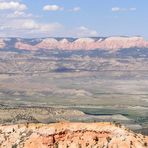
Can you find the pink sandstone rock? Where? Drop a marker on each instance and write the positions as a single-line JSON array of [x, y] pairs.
[[72, 135], [111, 43]]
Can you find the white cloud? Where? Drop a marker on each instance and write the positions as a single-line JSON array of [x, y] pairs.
[[75, 9], [15, 21], [115, 9], [18, 14], [13, 9], [29, 24], [12, 5], [118, 9], [27, 27], [133, 9], [41, 27], [83, 31], [52, 8]]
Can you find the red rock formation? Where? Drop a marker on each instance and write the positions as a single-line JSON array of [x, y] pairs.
[[111, 43], [72, 135]]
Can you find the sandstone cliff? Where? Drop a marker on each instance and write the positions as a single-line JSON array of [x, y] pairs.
[[110, 43], [70, 135]]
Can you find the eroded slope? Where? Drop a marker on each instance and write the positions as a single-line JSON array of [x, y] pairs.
[[73, 135]]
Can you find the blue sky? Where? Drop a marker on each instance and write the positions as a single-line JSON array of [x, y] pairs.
[[77, 18]]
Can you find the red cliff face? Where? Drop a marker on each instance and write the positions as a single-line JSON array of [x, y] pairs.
[[72, 135], [111, 43]]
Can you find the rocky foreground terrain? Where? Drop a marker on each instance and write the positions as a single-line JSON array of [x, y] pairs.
[[72, 135]]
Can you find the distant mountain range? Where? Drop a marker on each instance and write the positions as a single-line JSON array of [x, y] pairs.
[[104, 43]]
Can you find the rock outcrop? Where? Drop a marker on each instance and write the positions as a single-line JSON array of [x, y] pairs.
[[110, 43], [72, 135]]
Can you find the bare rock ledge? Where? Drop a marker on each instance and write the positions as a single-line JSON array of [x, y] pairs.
[[70, 135]]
